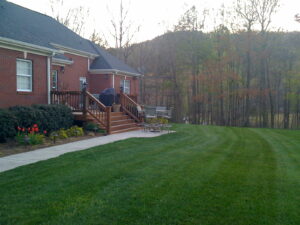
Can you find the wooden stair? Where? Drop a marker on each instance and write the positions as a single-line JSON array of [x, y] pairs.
[[120, 122]]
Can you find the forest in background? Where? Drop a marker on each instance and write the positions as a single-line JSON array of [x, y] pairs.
[[242, 73], [246, 77]]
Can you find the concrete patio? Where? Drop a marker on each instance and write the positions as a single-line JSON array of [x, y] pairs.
[[14, 161]]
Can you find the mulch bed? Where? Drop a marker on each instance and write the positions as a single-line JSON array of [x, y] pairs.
[[12, 147]]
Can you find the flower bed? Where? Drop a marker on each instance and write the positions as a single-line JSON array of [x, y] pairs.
[[32, 137]]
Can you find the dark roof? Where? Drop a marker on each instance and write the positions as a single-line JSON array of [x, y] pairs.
[[109, 62], [25, 25], [22, 24]]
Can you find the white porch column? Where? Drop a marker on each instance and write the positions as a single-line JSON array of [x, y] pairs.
[[113, 80]]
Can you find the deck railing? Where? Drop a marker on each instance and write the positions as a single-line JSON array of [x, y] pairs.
[[97, 110], [129, 106], [73, 99], [83, 101]]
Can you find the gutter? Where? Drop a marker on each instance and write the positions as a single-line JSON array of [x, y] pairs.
[[112, 71], [24, 46], [61, 61], [74, 51]]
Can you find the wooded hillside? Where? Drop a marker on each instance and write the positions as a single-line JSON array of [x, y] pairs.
[[245, 77]]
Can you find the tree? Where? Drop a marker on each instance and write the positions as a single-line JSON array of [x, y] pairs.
[[98, 39], [247, 12], [123, 32], [265, 10], [74, 19]]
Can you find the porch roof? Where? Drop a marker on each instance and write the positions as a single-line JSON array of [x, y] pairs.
[[107, 62]]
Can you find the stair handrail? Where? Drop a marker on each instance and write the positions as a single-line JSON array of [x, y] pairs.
[[131, 107], [83, 101], [98, 110], [92, 97]]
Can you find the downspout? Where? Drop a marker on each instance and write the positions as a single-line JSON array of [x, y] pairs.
[[48, 80], [113, 80]]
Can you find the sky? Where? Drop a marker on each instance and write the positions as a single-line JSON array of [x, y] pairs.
[[155, 17]]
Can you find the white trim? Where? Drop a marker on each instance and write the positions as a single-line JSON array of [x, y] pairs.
[[61, 61], [74, 51], [58, 64], [48, 80], [24, 75], [54, 72], [126, 89], [116, 72], [24, 46]]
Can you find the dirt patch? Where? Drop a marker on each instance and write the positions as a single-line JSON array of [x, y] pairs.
[[11, 147]]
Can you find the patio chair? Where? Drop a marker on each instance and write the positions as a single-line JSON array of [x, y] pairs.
[[150, 112]]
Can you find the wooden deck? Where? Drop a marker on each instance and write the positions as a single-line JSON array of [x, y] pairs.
[[87, 108]]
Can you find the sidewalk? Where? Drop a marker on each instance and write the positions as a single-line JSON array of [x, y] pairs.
[[13, 161]]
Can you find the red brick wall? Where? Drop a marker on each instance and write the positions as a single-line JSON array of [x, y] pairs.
[[98, 82], [8, 83], [134, 84], [69, 79]]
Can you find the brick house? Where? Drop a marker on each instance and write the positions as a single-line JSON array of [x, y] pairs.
[[39, 55]]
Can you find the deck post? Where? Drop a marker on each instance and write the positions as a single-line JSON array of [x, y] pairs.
[[84, 102], [108, 119]]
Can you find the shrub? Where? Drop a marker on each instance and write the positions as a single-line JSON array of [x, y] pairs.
[[30, 139], [36, 139], [8, 123], [29, 136], [26, 116], [47, 117], [93, 127], [62, 134], [75, 131], [55, 117]]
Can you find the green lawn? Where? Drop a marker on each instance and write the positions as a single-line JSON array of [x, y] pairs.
[[202, 175]]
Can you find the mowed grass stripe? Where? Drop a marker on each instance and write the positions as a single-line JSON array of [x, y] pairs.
[[286, 144], [198, 175]]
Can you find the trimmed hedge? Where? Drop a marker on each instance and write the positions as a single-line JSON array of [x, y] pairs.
[[7, 125], [54, 117], [47, 117]]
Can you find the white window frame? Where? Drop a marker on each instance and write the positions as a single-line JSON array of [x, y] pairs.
[[126, 86], [24, 75], [56, 80]]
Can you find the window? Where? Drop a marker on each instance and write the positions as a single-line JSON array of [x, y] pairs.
[[125, 84], [24, 75], [54, 80]]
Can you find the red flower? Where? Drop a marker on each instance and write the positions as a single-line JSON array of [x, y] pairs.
[[23, 129], [45, 132], [19, 128], [28, 128], [36, 129], [35, 125]]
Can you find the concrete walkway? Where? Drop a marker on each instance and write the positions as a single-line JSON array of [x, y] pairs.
[[13, 161]]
